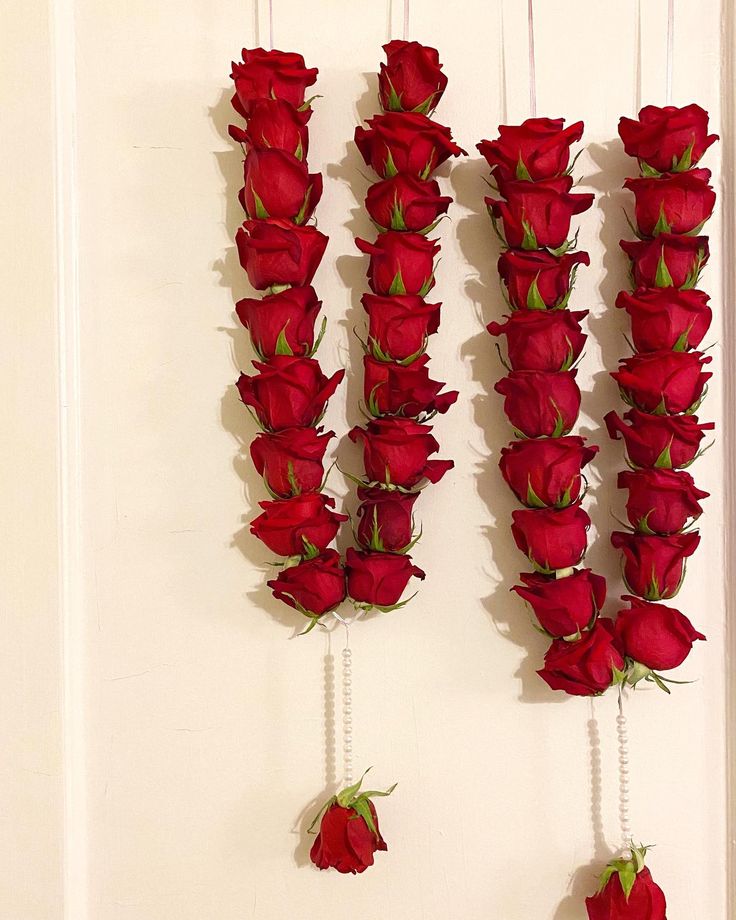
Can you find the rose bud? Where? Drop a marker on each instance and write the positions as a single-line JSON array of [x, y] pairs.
[[312, 587], [275, 252], [405, 142], [396, 452], [551, 539], [401, 263], [538, 148], [542, 340], [378, 579], [661, 501], [291, 461], [406, 203], [386, 519], [275, 124], [539, 404], [668, 138], [408, 390], [411, 80], [537, 215], [584, 667], [546, 472], [666, 318], [673, 203], [663, 382], [668, 260], [348, 834], [398, 326], [288, 392], [270, 75], [661, 441], [539, 280], [627, 892], [300, 526], [277, 184], [281, 323], [564, 606], [653, 635], [654, 566]]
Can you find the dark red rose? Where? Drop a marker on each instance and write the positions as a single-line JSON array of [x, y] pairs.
[[563, 606], [654, 566], [668, 260], [386, 519], [314, 586], [407, 390], [277, 184], [299, 526], [661, 441], [345, 842], [542, 340], [666, 318], [276, 252], [551, 538], [396, 452], [661, 501], [275, 124], [539, 280], [645, 901], [537, 215], [539, 404], [584, 667], [401, 263], [663, 382], [654, 635], [673, 203], [288, 392], [281, 323], [270, 75], [398, 326], [408, 142], [378, 579], [291, 461], [406, 203], [538, 148], [667, 138], [411, 80], [546, 472]]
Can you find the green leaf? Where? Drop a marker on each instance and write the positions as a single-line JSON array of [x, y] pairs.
[[282, 345], [397, 285], [362, 808], [533, 297], [663, 278], [261, 212]]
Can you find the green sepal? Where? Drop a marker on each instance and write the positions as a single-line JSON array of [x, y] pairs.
[[648, 171], [559, 429], [427, 286], [295, 488], [261, 212], [424, 108], [664, 460], [282, 345], [521, 171], [532, 499], [397, 217], [389, 169], [662, 225], [318, 340], [299, 152], [694, 274], [685, 161], [310, 550], [394, 99], [533, 297], [529, 242], [307, 102], [397, 285], [301, 216], [683, 340]]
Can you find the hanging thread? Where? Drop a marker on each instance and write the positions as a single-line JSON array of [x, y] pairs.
[[532, 62], [670, 49], [623, 774], [270, 25], [406, 20], [347, 703]]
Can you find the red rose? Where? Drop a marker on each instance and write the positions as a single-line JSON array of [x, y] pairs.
[[288, 392], [398, 326], [270, 75], [661, 501], [645, 900], [408, 390], [281, 323], [406, 203], [654, 566], [345, 842], [542, 340], [546, 472], [538, 148], [654, 635], [673, 203], [277, 184], [536, 215], [668, 138], [401, 263], [386, 519], [396, 452], [661, 441], [276, 252], [405, 142], [275, 124], [663, 382], [668, 260], [411, 80], [290, 461], [299, 526], [551, 538], [539, 404], [584, 667], [539, 280], [666, 318], [378, 579], [312, 587], [564, 606]]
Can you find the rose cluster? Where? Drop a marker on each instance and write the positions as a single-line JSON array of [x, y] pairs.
[[280, 250]]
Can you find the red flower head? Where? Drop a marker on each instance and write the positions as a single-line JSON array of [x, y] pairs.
[[661, 441], [276, 252], [538, 148], [673, 203], [668, 138], [546, 472], [406, 203], [542, 340], [275, 124], [281, 323], [656, 636], [408, 142], [270, 75], [584, 667], [539, 404], [345, 842], [668, 260], [539, 280], [408, 390], [300, 526], [661, 501], [401, 263], [277, 184], [551, 538], [386, 519], [627, 892], [666, 318], [398, 326], [314, 586], [564, 606], [654, 566], [411, 80], [663, 382], [378, 579], [396, 452], [291, 461]]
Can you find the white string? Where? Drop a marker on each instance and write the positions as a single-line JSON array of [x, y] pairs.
[[623, 774], [532, 62], [270, 24], [406, 20], [670, 49], [347, 699]]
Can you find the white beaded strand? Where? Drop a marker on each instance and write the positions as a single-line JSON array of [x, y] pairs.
[[347, 708], [623, 774]]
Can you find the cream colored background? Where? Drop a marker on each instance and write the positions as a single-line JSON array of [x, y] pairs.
[[164, 730]]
